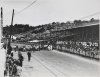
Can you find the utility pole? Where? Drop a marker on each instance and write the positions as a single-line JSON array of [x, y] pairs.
[[99, 37], [2, 51], [11, 26], [1, 27]]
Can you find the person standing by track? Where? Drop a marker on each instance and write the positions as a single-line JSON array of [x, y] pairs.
[[21, 58], [29, 55]]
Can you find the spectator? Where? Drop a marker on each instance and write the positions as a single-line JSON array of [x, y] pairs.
[[24, 49], [29, 55], [9, 49], [21, 59], [12, 53]]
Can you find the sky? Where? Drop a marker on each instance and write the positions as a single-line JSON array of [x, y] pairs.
[[48, 11]]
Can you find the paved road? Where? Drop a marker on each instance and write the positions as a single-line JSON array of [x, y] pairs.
[[64, 65]]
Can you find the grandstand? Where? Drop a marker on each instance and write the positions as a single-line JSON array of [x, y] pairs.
[[81, 32], [81, 39]]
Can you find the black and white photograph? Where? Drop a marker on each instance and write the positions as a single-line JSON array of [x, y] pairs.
[[49, 38]]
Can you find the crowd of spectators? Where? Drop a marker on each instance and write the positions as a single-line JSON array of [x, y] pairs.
[[83, 48], [14, 61]]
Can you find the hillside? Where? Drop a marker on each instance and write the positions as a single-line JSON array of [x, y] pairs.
[[27, 32]]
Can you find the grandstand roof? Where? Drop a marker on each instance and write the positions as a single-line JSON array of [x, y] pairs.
[[96, 22]]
